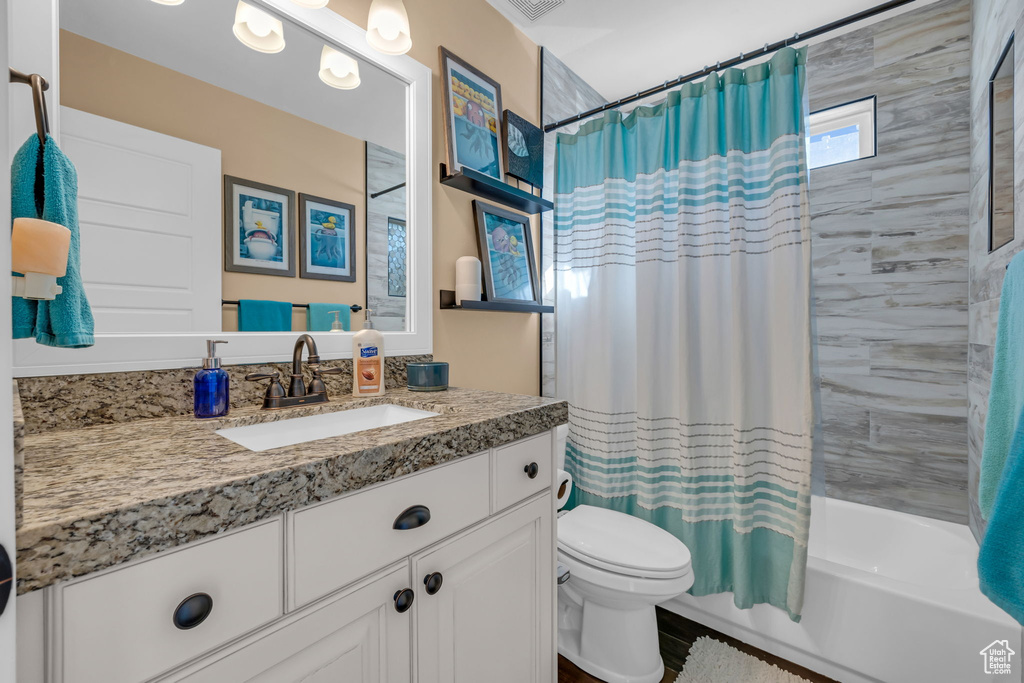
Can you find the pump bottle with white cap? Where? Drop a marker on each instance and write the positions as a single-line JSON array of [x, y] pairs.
[[368, 360]]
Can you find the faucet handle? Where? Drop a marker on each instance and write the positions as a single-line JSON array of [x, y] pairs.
[[317, 386], [274, 390]]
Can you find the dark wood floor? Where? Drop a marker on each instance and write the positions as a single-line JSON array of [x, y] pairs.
[[677, 635], [570, 673]]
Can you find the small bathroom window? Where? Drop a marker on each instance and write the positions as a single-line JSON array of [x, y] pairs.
[[840, 134]]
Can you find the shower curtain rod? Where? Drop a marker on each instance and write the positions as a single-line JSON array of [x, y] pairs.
[[744, 57]]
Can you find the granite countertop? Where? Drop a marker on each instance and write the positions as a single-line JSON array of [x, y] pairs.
[[98, 496]]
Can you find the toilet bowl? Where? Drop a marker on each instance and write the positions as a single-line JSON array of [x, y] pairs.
[[620, 567]]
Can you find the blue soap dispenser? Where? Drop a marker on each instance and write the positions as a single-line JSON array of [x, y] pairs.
[[211, 385]]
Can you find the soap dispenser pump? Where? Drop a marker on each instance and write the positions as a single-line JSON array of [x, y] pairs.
[[211, 385], [336, 326], [368, 360]]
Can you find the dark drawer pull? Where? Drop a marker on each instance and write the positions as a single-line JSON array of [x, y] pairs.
[[193, 611], [531, 470], [403, 600], [433, 582], [413, 517]]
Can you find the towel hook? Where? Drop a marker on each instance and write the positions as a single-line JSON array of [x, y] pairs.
[[39, 85]]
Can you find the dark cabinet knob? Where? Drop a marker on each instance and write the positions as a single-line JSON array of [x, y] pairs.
[[433, 582], [532, 470], [193, 611], [403, 600], [411, 518]]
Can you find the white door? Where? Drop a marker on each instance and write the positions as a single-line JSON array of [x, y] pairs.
[[149, 209], [357, 637], [7, 620], [491, 619]]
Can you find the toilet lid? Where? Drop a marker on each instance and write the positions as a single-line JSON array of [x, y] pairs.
[[622, 543]]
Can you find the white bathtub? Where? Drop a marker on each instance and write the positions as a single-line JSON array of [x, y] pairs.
[[890, 597]]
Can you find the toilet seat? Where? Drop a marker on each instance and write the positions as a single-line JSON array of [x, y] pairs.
[[622, 544]]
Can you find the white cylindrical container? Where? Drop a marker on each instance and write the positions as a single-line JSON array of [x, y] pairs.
[[468, 279]]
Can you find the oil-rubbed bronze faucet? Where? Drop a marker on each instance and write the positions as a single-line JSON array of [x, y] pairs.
[[297, 394]]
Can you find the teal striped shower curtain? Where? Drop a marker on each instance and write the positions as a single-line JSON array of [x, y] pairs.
[[682, 261]]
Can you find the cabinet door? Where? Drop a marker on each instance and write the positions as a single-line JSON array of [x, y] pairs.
[[355, 637], [492, 617]]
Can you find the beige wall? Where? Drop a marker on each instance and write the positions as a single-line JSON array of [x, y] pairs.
[[101, 80], [486, 350]]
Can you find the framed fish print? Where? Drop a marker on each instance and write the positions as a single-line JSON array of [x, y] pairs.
[[472, 110], [524, 149], [506, 249], [327, 239], [259, 228]]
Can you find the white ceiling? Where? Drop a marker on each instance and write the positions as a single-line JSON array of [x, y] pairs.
[[624, 46], [195, 39]]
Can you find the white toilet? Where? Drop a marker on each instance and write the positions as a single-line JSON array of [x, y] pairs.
[[620, 567]]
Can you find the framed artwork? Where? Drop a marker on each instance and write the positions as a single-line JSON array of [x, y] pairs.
[[524, 149], [506, 249], [259, 228], [472, 105], [327, 239]]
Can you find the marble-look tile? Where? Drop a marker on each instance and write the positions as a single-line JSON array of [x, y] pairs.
[[100, 496], [18, 419]]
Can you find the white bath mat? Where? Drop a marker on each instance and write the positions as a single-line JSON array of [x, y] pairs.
[[712, 661]]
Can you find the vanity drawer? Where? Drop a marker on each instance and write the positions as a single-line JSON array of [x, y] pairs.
[[513, 465], [337, 542], [120, 626]]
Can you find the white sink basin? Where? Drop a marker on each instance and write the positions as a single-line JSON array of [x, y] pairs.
[[263, 437]]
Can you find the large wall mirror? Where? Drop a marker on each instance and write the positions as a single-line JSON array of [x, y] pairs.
[[217, 169], [1001, 150]]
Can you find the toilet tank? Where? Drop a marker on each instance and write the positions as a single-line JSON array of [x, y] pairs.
[[561, 435]]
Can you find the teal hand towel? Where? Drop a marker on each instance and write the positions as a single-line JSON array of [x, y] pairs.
[[320, 317], [67, 320], [1001, 557], [1006, 393], [255, 315]]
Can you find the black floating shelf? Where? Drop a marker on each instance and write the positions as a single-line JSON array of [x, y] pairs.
[[487, 187], [448, 302]]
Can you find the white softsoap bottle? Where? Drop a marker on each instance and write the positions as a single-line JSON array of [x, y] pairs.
[[368, 360]]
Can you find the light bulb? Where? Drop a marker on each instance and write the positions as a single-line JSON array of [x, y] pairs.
[[257, 29], [338, 70], [387, 29]]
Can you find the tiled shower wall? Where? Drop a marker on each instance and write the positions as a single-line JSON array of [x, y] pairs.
[[564, 94], [993, 22], [890, 250]]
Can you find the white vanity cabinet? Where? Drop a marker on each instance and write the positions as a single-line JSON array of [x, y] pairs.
[[336, 591]]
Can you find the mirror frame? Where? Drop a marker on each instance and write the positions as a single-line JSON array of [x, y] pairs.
[[992, 146], [155, 351]]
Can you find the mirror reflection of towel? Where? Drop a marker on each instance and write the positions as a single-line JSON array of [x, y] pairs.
[[255, 315], [320, 317]]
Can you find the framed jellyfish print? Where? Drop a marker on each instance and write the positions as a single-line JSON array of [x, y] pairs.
[[327, 239], [259, 228], [506, 250]]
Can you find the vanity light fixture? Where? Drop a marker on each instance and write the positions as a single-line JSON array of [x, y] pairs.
[[311, 4], [338, 70], [387, 29], [257, 29]]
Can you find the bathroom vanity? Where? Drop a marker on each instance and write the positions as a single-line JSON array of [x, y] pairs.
[[161, 550]]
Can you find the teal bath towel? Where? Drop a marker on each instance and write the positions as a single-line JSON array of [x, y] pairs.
[[1001, 558], [1006, 393], [321, 318], [67, 320], [264, 316]]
